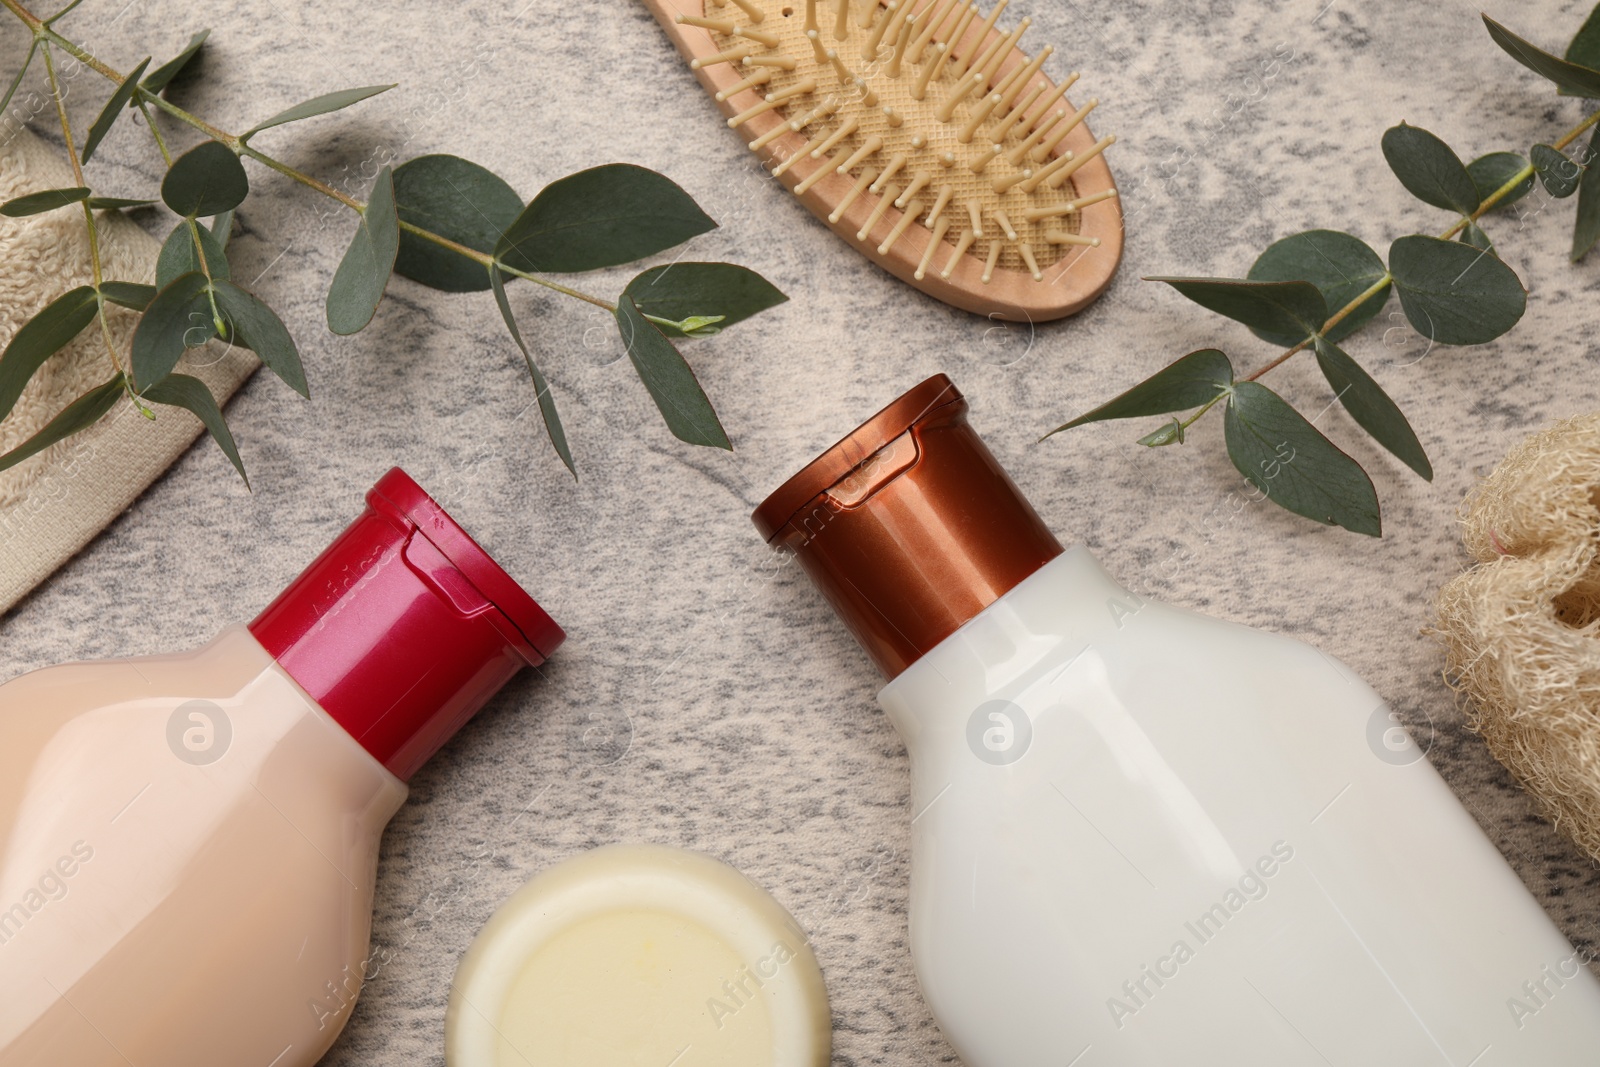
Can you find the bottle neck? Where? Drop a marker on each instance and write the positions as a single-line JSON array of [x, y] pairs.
[[922, 537], [1050, 618]]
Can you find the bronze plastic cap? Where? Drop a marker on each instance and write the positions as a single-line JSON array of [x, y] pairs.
[[908, 525]]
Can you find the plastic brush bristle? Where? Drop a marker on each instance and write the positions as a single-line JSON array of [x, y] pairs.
[[913, 101]]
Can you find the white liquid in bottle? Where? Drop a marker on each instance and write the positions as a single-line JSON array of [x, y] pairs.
[[1142, 837]]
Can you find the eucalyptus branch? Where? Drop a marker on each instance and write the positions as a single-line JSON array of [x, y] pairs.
[[480, 232], [1310, 290], [242, 147], [1382, 284], [88, 212]]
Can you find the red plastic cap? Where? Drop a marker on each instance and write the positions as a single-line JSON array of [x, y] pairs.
[[404, 627]]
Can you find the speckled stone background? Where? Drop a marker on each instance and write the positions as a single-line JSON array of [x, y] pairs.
[[706, 698]]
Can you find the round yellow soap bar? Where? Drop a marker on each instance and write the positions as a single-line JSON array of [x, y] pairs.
[[639, 956]]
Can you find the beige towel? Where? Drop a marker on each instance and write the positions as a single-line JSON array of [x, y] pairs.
[[53, 503]]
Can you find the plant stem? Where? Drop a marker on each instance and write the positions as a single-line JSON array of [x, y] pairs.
[[88, 212], [42, 31], [194, 227], [1383, 283]]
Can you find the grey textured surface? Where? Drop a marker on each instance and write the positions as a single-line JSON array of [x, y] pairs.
[[706, 699]]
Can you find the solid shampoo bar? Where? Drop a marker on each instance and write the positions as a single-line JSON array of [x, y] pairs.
[[639, 955]]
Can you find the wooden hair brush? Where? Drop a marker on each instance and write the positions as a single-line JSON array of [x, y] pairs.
[[920, 131]]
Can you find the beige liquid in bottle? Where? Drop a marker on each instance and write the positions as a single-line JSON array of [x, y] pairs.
[[188, 843], [149, 886]]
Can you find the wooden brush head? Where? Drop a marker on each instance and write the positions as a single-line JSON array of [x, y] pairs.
[[920, 132]]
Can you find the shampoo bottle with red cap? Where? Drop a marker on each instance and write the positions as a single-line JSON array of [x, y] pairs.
[[188, 843], [1141, 837]]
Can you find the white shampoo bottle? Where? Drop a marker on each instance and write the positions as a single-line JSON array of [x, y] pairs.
[[1141, 837]]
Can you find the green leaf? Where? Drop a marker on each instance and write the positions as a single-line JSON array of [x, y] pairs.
[[1342, 267], [456, 199], [79, 415], [128, 294], [1453, 293], [319, 105], [108, 114], [1472, 234], [1429, 169], [178, 255], [1188, 382], [1584, 50], [1586, 228], [1492, 171], [1371, 407], [206, 180], [1573, 79], [599, 218], [11, 90], [222, 228], [547, 401], [1559, 174], [47, 200], [364, 271], [1292, 307], [683, 293], [259, 329], [113, 203], [41, 337], [179, 318], [684, 406], [163, 74], [1171, 433], [1289, 461], [180, 390]]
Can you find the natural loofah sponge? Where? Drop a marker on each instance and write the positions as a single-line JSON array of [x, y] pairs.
[[1522, 628]]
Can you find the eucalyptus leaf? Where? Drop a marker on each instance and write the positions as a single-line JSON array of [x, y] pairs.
[[1291, 307], [1371, 407], [683, 293], [179, 318], [206, 180], [1288, 460], [128, 294], [114, 203], [547, 400], [45, 200], [1187, 382], [1429, 169], [363, 273], [178, 254], [1342, 267], [1453, 293], [108, 115], [1171, 433], [1586, 228], [319, 105], [222, 228], [1584, 48], [672, 384], [258, 328], [456, 199], [180, 390], [41, 337], [1490, 172], [1572, 79], [77, 416], [1559, 174], [1472, 234], [599, 218], [11, 90], [163, 74]]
